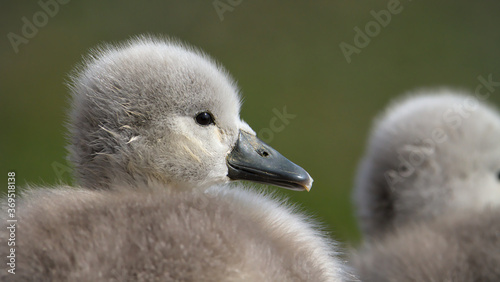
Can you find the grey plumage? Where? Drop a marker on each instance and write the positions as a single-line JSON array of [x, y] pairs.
[[428, 192], [462, 246], [132, 119], [156, 234], [158, 207], [430, 153]]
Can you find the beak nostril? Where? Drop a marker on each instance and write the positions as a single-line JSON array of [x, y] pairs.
[[263, 153]]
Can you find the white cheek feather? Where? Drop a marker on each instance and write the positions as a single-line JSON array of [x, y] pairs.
[[218, 133], [195, 157], [132, 139], [191, 145]]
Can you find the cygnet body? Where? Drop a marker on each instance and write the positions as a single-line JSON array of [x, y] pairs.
[[459, 247], [223, 234], [430, 153], [428, 191], [155, 135]]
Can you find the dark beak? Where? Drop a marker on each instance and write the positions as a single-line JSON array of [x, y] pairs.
[[252, 159]]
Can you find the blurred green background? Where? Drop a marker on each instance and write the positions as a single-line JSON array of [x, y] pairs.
[[282, 53]]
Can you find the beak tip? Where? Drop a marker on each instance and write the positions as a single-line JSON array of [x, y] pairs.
[[309, 183]]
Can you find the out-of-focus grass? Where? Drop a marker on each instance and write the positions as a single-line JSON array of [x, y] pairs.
[[282, 53]]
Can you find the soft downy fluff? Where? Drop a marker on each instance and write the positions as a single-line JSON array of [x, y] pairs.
[[224, 234], [155, 135], [428, 153], [428, 191]]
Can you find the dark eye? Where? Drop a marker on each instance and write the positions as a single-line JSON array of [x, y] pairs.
[[204, 118]]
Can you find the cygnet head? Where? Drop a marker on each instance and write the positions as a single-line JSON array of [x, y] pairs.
[[429, 153], [156, 111]]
